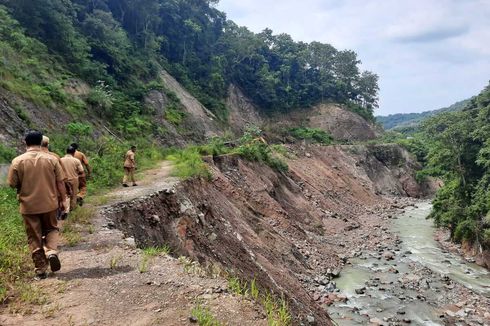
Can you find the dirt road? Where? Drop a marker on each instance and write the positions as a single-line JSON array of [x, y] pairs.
[[106, 280]]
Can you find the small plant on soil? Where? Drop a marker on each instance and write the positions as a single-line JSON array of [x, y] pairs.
[[155, 251], [115, 261], [204, 316], [277, 311], [144, 264], [237, 287]]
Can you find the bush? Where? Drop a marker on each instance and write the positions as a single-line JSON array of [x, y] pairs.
[[314, 134], [466, 230], [78, 129], [174, 115], [7, 154], [189, 164]]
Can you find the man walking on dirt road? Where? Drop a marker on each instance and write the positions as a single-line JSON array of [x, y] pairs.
[[82, 181], [74, 171], [38, 178], [69, 190], [129, 167]]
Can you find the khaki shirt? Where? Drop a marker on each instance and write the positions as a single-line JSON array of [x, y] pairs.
[[35, 174], [129, 162], [81, 157], [45, 150], [73, 167]]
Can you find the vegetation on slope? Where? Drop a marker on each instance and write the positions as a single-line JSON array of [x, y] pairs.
[[459, 152], [455, 146], [119, 45]]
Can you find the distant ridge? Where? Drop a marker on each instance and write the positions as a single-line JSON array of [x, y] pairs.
[[406, 120]]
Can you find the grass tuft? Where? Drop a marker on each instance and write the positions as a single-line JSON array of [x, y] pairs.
[[204, 316], [156, 251]]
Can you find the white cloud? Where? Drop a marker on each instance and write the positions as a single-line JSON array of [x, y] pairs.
[[428, 53]]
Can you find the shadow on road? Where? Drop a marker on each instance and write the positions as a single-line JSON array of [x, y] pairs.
[[93, 272]]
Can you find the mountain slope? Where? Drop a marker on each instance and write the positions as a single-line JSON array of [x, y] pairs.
[[404, 120]]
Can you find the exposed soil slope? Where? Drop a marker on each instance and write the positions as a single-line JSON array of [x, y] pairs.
[[281, 229], [102, 283], [337, 121]]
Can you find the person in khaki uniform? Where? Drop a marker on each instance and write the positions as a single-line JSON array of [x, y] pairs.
[[74, 170], [45, 149], [129, 167], [82, 181], [38, 178]]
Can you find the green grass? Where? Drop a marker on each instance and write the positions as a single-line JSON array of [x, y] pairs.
[[156, 251], [144, 264], [277, 310], [204, 316], [312, 134], [15, 263], [189, 164], [114, 262], [6, 154]]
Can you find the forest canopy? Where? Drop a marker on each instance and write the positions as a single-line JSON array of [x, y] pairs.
[[122, 44]]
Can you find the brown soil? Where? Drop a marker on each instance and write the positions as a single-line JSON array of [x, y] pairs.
[[101, 282], [282, 229]]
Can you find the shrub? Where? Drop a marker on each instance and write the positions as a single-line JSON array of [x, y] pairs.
[[7, 154], [466, 230], [78, 129], [174, 115], [189, 164], [314, 134]]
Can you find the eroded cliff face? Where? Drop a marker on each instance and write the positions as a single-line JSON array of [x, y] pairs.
[[280, 228], [340, 123]]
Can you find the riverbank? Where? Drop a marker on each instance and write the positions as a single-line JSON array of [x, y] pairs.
[[467, 251], [409, 279]]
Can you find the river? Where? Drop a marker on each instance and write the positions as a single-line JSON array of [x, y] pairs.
[[414, 285]]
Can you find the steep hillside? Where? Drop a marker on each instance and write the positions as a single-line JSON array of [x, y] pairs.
[[121, 59], [282, 229], [336, 120], [458, 151], [412, 120]]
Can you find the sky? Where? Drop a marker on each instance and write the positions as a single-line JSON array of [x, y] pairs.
[[427, 53]]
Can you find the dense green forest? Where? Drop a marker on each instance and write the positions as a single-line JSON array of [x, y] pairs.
[[455, 146], [119, 46], [411, 121]]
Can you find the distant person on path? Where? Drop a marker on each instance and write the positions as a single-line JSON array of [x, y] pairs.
[[38, 178], [74, 171], [129, 167], [82, 181]]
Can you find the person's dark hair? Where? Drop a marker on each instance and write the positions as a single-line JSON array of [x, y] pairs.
[[33, 138], [70, 150], [74, 145], [133, 147]]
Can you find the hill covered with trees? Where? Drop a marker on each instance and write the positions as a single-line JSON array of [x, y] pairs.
[[403, 121], [455, 147], [119, 46]]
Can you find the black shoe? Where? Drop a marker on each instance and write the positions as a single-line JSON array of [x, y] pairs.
[[80, 201], [54, 263], [125, 185], [134, 184], [41, 276]]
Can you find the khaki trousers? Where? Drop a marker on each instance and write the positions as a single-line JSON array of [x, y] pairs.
[[73, 197], [82, 187], [39, 226], [128, 175]]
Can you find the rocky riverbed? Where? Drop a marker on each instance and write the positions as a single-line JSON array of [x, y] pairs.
[[404, 279]]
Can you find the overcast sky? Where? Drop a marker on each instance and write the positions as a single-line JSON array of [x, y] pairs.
[[428, 53]]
